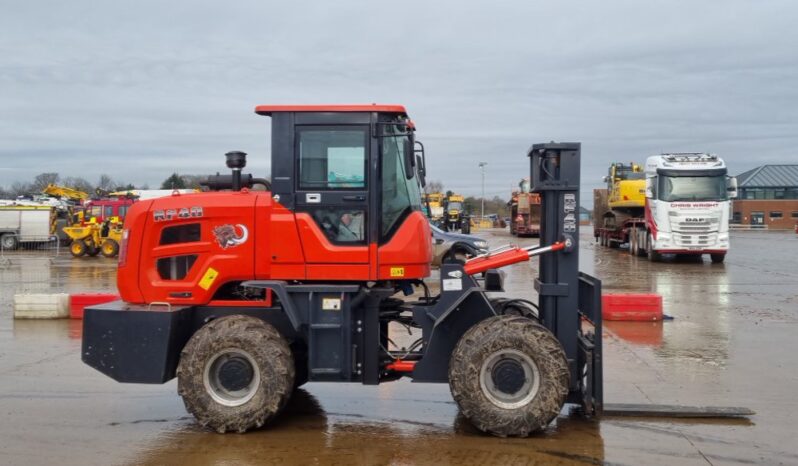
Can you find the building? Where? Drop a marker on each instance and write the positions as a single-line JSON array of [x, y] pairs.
[[767, 197]]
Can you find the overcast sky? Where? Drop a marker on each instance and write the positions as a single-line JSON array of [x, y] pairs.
[[140, 90]]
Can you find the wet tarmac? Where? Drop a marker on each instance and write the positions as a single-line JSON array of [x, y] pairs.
[[732, 341]]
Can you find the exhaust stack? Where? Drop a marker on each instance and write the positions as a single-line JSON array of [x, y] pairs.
[[236, 160]]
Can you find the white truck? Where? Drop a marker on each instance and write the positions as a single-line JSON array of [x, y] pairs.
[[25, 224], [688, 200]]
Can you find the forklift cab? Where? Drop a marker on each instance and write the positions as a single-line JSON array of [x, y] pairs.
[[351, 177]]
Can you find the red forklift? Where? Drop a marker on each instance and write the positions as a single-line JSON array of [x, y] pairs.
[[244, 295]]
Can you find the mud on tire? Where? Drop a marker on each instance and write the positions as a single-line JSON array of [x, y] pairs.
[[235, 373], [486, 354]]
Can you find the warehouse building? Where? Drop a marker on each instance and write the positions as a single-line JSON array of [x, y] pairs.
[[767, 197]]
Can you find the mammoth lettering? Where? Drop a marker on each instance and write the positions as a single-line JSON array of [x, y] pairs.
[[227, 237]]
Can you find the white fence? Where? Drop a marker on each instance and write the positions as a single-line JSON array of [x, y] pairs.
[[16, 248]]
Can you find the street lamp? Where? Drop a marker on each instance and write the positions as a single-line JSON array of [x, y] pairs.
[[482, 166]]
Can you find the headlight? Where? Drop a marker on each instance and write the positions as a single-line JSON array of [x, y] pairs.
[[481, 244]]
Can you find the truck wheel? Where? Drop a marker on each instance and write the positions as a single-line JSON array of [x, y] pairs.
[[633, 243], [717, 258], [9, 242], [653, 255], [77, 248], [91, 248], [109, 248], [455, 255], [301, 373], [509, 376], [235, 373], [641, 239]]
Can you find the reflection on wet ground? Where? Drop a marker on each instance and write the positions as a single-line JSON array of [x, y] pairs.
[[306, 434], [730, 343]]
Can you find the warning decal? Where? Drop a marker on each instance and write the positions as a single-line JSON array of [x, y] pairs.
[[208, 279]]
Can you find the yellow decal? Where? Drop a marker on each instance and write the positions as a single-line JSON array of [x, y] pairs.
[[207, 279], [397, 271]]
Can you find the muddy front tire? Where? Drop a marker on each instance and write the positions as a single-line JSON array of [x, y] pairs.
[[236, 373], [77, 248], [509, 376], [717, 258]]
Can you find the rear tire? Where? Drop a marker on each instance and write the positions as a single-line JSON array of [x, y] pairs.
[[235, 373], [109, 248], [641, 240], [9, 242], [92, 249], [509, 376], [717, 258]]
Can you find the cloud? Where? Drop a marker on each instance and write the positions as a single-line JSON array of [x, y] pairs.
[[140, 90]]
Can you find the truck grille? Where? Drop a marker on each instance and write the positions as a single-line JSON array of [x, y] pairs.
[[698, 227], [695, 240]]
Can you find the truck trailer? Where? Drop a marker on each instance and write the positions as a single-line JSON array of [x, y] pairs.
[[26, 224], [524, 211], [679, 204]]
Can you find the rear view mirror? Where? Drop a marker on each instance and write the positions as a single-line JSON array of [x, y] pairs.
[[731, 187], [650, 187], [421, 162], [410, 158]]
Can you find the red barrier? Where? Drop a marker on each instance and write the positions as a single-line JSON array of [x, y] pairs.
[[80, 300], [633, 307]]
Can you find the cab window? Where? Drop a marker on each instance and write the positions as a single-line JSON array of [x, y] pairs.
[[180, 234], [400, 196], [342, 225], [332, 158]]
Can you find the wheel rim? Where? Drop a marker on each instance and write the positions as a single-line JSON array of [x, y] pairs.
[[509, 378], [108, 248], [76, 248], [231, 377]]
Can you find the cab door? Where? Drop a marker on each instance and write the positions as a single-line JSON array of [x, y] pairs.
[[332, 199]]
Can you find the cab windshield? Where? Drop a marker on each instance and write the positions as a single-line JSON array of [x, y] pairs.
[[692, 188], [400, 196]]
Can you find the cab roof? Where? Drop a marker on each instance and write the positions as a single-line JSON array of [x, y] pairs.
[[382, 108]]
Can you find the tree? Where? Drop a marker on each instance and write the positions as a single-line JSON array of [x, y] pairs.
[[105, 183], [81, 184], [20, 189], [43, 179], [433, 186], [192, 181], [173, 182]]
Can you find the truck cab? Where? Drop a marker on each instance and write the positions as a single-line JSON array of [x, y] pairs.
[[688, 197]]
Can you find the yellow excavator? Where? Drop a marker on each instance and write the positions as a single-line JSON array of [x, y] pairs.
[[625, 194], [63, 192]]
